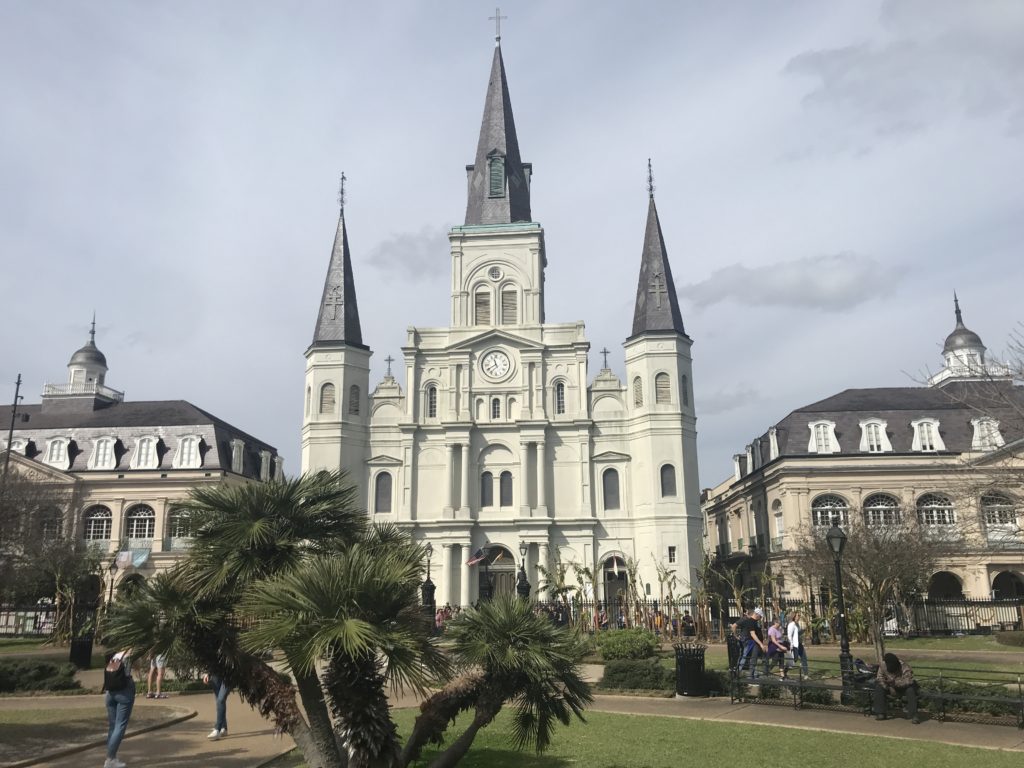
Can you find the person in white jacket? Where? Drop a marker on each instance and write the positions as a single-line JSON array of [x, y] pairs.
[[796, 640]]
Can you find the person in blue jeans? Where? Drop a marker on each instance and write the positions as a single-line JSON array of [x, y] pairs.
[[119, 709], [221, 689]]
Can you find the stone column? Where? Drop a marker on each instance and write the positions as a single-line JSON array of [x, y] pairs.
[[450, 484], [543, 559], [524, 479], [542, 502], [467, 552], [464, 496], [446, 575]]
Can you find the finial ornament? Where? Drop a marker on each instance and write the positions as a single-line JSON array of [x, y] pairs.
[[389, 360], [496, 18], [341, 191], [92, 328], [650, 179], [956, 306]]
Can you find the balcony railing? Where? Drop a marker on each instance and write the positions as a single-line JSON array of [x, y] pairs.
[[177, 543], [1004, 536], [82, 389]]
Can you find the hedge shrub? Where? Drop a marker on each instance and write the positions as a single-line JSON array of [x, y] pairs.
[[637, 674], [1011, 638], [18, 675], [627, 644]]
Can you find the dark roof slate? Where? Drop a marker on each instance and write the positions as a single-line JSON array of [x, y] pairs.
[[657, 306], [338, 318]]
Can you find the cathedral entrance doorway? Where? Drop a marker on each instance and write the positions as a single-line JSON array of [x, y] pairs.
[[616, 585], [500, 568]]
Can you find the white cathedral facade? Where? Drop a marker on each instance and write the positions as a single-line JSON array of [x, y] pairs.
[[494, 437]]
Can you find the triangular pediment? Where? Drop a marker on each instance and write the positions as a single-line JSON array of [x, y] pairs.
[[384, 461], [611, 456], [37, 471], [492, 335]]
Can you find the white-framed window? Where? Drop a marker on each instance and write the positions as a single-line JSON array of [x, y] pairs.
[[935, 509], [823, 437], [830, 509], [662, 389], [188, 456], [495, 408], [145, 453], [353, 400], [57, 452], [328, 398], [987, 436], [237, 455], [671, 555], [18, 446], [882, 509], [873, 436], [926, 436], [98, 523], [780, 524], [997, 509], [560, 398], [610, 488], [431, 402], [103, 456], [482, 307], [382, 492], [179, 524], [638, 392], [140, 522]]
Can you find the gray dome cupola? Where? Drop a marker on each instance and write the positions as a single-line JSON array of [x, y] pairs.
[[963, 345], [88, 366]]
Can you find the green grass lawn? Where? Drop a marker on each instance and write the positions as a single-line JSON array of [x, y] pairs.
[[952, 644], [28, 733], [20, 645], [632, 741]]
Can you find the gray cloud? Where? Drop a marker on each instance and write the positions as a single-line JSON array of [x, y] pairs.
[[413, 255], [931, 60], [830, 282], [727, 399]]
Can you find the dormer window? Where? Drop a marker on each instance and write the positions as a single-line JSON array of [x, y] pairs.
[[103, 454], [926, 436], [57, 453], [987, 436], [188, 456], [823, 437], [496, 176], [237, 455], [145, 454], [873, 437]]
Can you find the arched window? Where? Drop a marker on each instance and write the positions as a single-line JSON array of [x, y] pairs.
[[927, 437], [353, 400], [327, 398], [309, 395], [57, 452], [486, 490], [495, 408], [140, 522], [662, 391], [998, 510], [98, 522], [935, 509], [179, 525], [509, 305], [829, 510], [560, 398], [882, 509], [103, 453], [145, 454], [382, 493], [638, 392], [505, 489], [482, 307], [431, 402], [684, 389], [188, 453], [610, 487], [668, 480]]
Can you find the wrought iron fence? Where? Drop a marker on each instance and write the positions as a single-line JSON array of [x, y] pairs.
[[34, 621]]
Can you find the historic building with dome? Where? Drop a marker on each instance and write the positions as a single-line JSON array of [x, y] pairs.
[[946, 456], [123, 463], [493, 438]]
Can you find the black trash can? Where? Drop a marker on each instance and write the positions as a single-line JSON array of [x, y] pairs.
[[734, 647], [690, 669], [81, 652]]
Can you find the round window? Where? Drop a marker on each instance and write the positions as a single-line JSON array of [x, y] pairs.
[[494, 273]]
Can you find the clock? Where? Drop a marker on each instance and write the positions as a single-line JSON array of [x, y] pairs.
[[495, 364]]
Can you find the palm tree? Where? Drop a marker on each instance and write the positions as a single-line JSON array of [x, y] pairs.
[[505, 653]]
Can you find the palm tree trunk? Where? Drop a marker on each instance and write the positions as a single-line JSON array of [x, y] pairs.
[[438, 711], [321, 730], [485, 713], [355, 687]]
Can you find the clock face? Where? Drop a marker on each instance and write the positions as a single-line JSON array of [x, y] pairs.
[[495, 364]]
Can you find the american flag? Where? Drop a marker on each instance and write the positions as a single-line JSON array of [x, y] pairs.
[[478, 557]]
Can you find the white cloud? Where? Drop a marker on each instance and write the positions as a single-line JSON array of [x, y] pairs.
[[832, 283]]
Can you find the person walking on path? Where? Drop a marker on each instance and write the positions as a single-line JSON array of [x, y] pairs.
[[120, 699], [157, 665], [753, 637], [796, 641], [220, 690]]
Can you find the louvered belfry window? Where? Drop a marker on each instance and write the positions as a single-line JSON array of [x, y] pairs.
[[482, 308], [662, 392], [638, 392], [496, 170], [508, 307], [353, 400], [327, 398]]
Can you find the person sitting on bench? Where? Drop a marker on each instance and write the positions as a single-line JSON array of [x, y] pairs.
[[895, 677]]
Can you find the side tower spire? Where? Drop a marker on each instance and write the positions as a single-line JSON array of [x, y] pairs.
[[499, 181], [657, 306], [338, 319]]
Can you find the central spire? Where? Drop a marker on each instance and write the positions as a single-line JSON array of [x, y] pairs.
[[338, 319], [499, 181]]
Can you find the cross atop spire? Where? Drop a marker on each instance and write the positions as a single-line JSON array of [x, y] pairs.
[[496, 18], [338, 318], [92, 329], [341, 192], [389, 360], [650, 180], [605, 353]]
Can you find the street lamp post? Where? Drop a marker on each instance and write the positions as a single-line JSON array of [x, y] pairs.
[[836, 541], [427, 588], [112, 570], [522, 584]]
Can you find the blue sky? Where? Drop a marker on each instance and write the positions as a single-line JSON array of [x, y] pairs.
[[827, 174]]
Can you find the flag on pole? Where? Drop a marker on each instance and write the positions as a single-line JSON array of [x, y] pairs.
[[501, 553], [478, 557], [615, 566]]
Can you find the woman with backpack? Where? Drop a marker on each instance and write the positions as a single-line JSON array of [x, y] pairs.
[[120, 698]]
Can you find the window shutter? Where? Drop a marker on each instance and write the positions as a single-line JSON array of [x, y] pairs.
[[482, 308], [662, 393], [508, 308], [638, 392]]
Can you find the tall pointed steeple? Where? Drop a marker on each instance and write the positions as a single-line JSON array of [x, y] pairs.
[[657, 306], [499, 181], [338, 320]]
